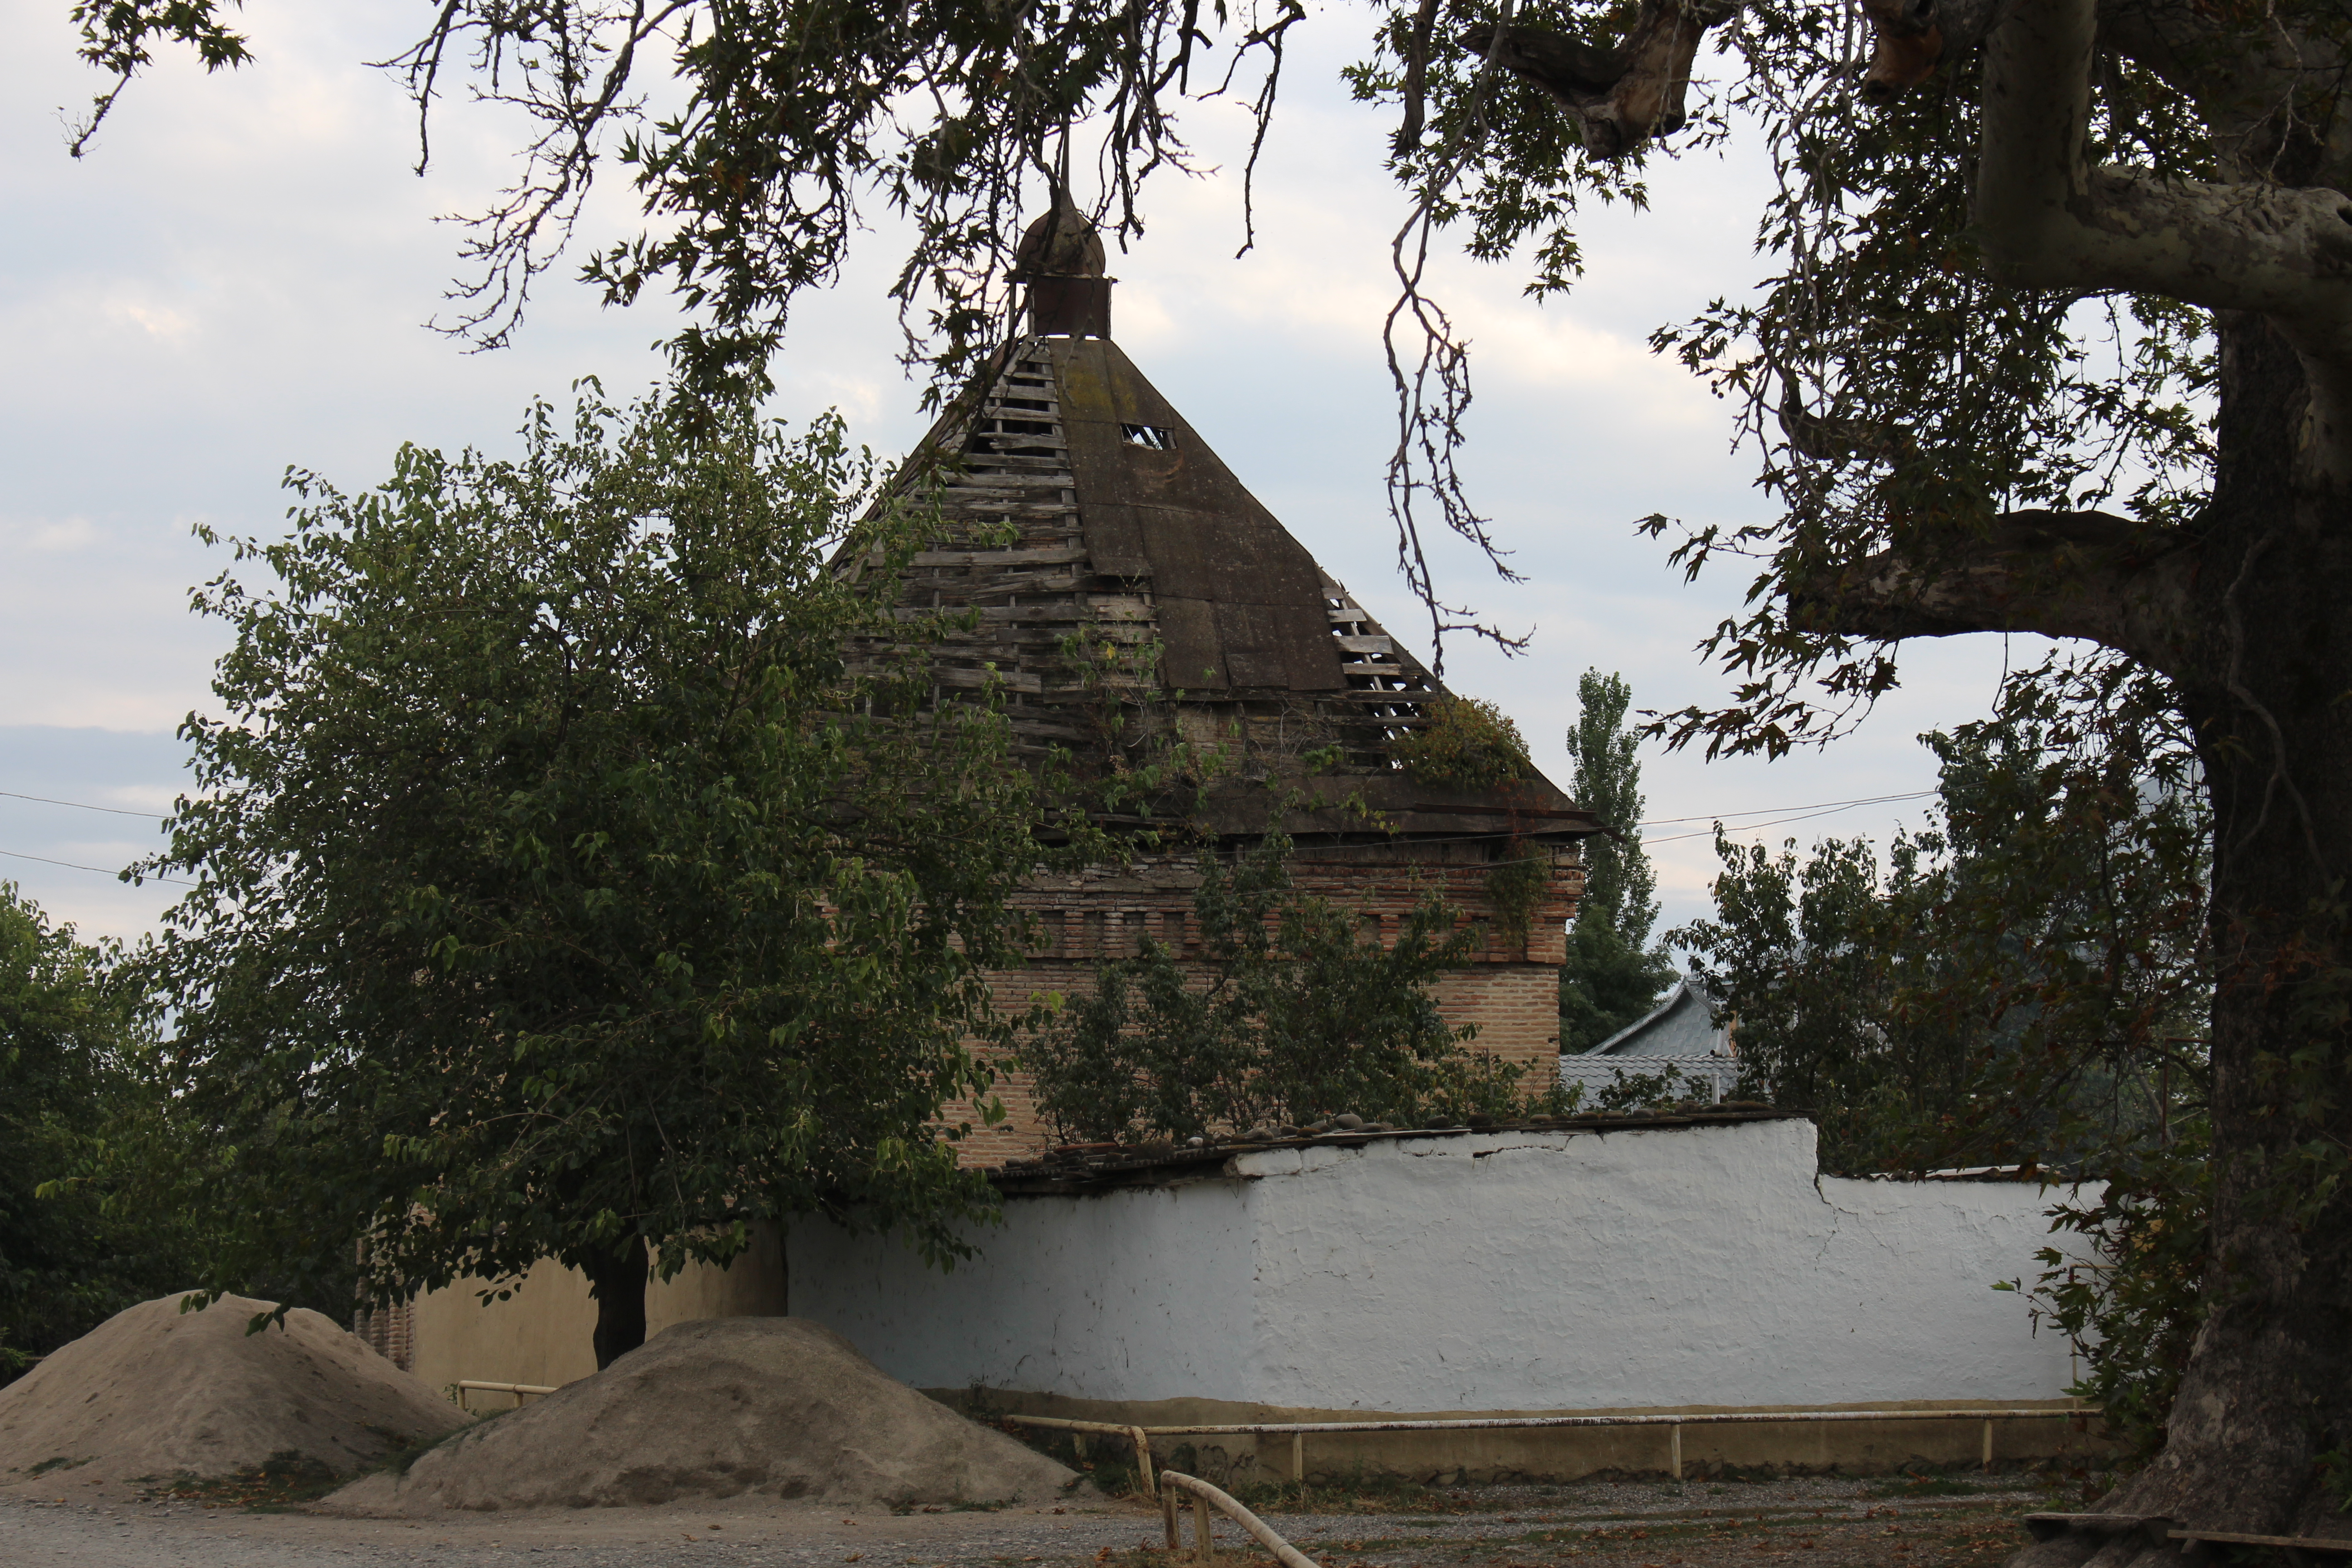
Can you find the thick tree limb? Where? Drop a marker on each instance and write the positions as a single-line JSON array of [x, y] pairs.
[[2048, 219], [1908, 44], [2063, 575], [1622, 97]]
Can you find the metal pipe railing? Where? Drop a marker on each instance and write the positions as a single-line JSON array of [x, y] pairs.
[[1204, 1545], [1134, 1435], [1298, 1431], [471, 1385]]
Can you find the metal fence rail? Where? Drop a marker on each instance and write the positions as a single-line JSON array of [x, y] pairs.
[[470, 1385], [1138, 1435], [1298, 1431], [1204, 1545]]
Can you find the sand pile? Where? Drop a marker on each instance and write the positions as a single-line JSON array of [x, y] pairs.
[[154, 1392], [775, 1407]]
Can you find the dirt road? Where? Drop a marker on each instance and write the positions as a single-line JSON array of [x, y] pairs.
[[1807, 1523]]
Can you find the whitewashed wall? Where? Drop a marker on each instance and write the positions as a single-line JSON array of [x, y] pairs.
[[1485, 1271]]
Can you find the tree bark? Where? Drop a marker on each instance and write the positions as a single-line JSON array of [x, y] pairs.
[[2268, 1387], [617, 1278]]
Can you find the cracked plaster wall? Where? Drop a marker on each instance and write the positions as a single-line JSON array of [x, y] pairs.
[[1489, 1271]]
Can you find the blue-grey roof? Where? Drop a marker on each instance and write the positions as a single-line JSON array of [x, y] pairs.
[[1681, 1026]]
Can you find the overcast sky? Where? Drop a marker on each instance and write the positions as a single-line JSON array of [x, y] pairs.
[[236, 280]]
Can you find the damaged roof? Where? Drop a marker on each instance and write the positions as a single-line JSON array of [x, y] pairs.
[[1112, 560]]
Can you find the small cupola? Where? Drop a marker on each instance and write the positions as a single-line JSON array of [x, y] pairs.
[[1060, 259]]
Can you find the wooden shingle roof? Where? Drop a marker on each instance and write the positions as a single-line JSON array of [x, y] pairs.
[[1111, 561]]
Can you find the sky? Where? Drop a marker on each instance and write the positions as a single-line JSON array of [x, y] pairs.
[[238, 278]]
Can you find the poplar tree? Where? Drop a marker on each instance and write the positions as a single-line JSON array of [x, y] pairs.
[[1612, 975]]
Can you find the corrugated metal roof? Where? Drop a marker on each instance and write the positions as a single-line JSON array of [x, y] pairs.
[[1682, 1026]]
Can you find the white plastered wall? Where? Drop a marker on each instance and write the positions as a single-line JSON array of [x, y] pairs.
[[1487, 1271]]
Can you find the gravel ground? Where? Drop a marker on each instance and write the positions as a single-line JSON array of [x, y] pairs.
[[1638, 1524]]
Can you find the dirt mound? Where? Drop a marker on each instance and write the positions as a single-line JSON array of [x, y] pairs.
[[718, 1408], [153, 1390]]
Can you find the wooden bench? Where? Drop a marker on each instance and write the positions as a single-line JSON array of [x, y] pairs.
[[2302, 1550]]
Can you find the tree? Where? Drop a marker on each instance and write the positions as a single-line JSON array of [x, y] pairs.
[[2056, 338], [1302, 1015], [2012, 987], [1612, 975], [559, 891], [2021, 984], [75, 1044]]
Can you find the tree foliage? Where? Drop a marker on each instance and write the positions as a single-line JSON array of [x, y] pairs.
[[2024, 982], [76, 1043], [1613, 975], [560, 891], [1302, 1015]]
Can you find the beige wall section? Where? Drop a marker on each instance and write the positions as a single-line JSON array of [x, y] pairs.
[[542, 1334]]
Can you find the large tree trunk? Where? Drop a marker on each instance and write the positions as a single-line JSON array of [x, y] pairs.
[[2247, 610], [2268, 1387], [617, 1278]]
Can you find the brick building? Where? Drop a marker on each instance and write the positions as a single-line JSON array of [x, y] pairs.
[[1131, 596]]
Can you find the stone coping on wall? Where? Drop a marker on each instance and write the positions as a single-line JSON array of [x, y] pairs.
[[1090, 1167]]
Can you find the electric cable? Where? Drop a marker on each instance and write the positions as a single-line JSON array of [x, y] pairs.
[[1768, 810], [72, 866], [83, 806]]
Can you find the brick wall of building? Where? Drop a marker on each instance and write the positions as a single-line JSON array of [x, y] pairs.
[[1509, 990]]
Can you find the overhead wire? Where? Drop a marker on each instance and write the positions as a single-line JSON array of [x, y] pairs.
[[73, 865], [1769, 810], [1802, 814], [82, 805]]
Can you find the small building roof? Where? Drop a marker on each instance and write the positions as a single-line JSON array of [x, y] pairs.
[[1681, 1026]]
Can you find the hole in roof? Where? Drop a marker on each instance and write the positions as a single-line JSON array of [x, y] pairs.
[[1150, 435]]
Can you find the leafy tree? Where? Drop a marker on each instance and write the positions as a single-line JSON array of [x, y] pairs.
[[1994, 992], [2022, 983], [561, 891], [2054, 336], [1303, 1015], [1612, 975], [75, 1046]]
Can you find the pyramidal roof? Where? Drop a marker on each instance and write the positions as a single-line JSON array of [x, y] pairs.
[[1111, 557]]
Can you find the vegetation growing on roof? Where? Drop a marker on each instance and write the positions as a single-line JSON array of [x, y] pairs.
[[1463, 743]]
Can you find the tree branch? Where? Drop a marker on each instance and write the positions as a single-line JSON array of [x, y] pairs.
[[2048, 219], [2063, 574], [1622, 97]]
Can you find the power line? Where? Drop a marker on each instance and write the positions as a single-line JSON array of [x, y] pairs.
[[72, 866], [1768, 810], [1806, 813], [82, 805], [1778, 821]]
